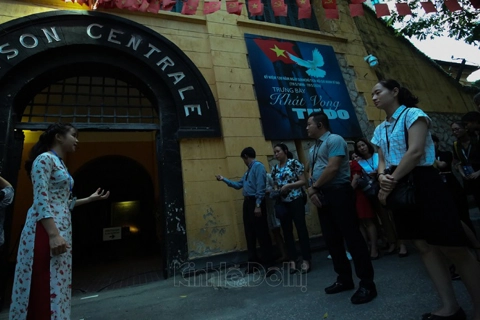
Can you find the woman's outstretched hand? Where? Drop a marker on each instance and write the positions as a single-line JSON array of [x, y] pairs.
[[100, 194]]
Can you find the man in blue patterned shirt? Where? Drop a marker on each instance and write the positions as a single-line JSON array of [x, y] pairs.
[[255, 222]]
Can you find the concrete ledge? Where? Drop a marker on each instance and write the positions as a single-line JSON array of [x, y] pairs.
[[292, 30], [232, 259]]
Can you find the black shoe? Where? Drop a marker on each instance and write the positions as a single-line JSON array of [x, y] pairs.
[[364, 295], [459, 315], [455, 276], [402, 255], [339, 287], [270, 272], [453, 273], [375, 258], [292, 267]]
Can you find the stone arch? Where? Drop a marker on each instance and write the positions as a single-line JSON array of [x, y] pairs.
[[55, 44]]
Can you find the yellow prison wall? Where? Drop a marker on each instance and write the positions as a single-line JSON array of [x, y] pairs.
[[437, 91]]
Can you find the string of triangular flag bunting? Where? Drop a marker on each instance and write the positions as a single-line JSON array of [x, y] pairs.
[[403, 9], [189, 7], [382, 9], [256, 7]]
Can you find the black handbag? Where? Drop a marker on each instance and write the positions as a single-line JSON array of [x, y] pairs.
[[403, 195], [280, 210], [304, 196], [369, 185]]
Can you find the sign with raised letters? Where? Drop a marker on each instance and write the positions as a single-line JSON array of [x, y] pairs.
[[23, 38]]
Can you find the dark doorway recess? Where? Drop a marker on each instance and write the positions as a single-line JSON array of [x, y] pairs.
[[136, 256]]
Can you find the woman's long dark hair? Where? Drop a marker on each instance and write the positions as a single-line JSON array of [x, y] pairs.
[[45, 142], [284, 148], [405, 97], [370, 147]]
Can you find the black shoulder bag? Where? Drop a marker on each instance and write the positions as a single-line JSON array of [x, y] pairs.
[[403, 195], [369, 185], [279, 206]]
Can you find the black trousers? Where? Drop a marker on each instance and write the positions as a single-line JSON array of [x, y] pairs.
[[3, 276], [460, 199], [296, 214], [256, 228], [339, 223]]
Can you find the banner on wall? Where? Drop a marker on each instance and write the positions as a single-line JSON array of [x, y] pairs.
[[293, 79]]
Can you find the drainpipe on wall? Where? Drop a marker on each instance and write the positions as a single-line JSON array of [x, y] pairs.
[[460, 70]]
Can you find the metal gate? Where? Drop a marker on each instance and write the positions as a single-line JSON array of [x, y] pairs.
[[90, 102]]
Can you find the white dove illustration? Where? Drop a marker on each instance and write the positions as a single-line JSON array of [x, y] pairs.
[[311, 65]]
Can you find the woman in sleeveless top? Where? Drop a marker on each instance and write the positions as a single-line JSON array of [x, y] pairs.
[[369, 163]]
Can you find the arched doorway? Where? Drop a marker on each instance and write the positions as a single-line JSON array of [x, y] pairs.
[[133, 251], [131, 207], [41, 51]]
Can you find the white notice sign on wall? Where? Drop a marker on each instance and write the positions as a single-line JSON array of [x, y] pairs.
[[110, 234]]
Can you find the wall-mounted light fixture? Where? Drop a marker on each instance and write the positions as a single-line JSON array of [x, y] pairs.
[[371, 60]]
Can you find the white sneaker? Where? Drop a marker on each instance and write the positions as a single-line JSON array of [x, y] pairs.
[[349, 256]]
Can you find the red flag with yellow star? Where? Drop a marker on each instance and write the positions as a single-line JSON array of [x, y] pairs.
[[234, 7], [211, 6], [255, 8], [303, 3], [329, 4], [280, 9], [168, 5], [304, 12], [190, 7], [154, 6], [276, 50]]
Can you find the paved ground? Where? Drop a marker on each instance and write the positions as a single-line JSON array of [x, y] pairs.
[[405, 293]]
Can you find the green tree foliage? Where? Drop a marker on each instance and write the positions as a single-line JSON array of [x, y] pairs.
[[476, 84], [461, 25]]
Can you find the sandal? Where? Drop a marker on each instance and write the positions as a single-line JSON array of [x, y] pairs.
[[305, 267], [391, 249]]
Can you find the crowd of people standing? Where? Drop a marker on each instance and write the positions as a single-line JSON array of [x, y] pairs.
[[399, 182]]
